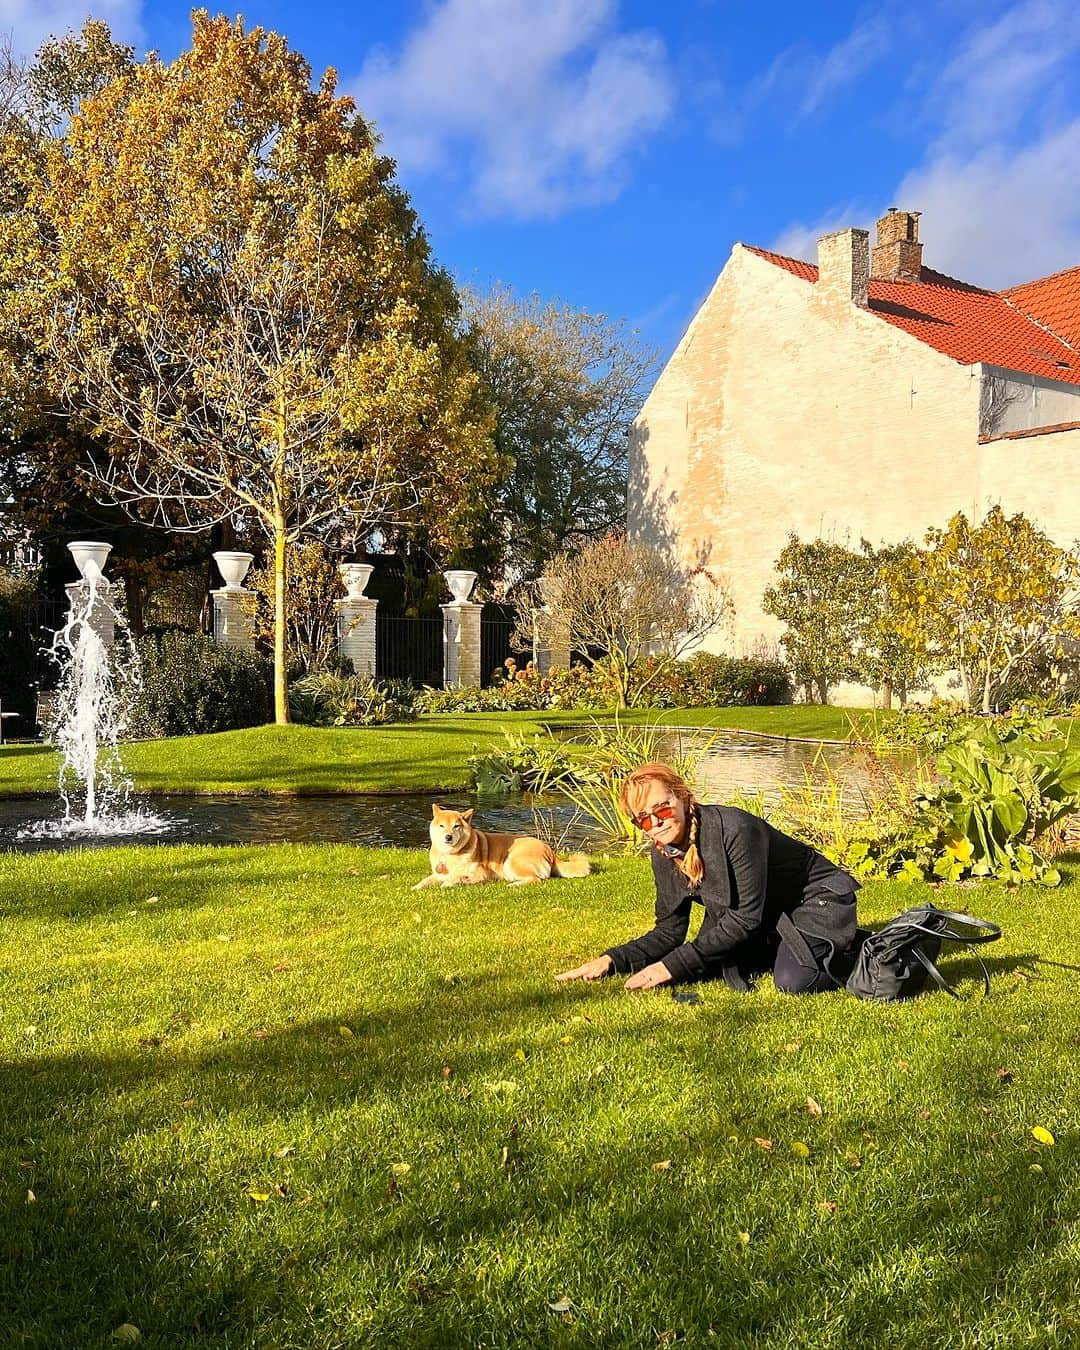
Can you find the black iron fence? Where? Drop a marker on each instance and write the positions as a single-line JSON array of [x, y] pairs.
[[495, 647], [409, 649]]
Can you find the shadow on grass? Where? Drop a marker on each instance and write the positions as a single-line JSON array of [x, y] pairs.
[[935, 1231]]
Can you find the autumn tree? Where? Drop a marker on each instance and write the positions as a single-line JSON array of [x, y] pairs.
[[982, 600], [565, 386], [41, 450], [883, 656], [619, 600], [237, 302], [820, 596]]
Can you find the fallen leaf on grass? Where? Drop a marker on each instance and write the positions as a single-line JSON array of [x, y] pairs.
[[519, 1054], [561, 1305], [800, 1149], [792, 1046], [188, 1103], [852, 1159], [1005, 1075], [744, 1238], [31, 1198], [924, 1115], [259, 1196], [280, 1191], [663, 1166], [565, 1040], [1035, 1167], [347, 1032], [401, 1169], [261, 1034], [127, 1333], [829, 1206], [502, 1086], [766, 1144], [283, 1151], [152, 899], [813, 1108], [1042, 1134]]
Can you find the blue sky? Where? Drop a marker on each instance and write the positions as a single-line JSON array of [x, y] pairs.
[[609, 154]]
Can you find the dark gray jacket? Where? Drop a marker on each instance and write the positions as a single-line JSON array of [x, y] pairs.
[[753, 875]]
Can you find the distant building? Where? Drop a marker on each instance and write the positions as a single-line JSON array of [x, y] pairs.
[[864, 396]]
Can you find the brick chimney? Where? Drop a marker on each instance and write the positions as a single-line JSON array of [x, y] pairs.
[[844, 265], [897, 255]]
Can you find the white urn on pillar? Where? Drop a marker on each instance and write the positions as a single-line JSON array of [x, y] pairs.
[[89, 558], [461, 583], [356, 577], [233, 568]]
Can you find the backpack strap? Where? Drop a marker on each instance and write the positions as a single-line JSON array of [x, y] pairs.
[[988, 932], [941, 981]]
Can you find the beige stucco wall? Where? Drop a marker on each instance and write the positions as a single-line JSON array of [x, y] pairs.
[[785, 408], [1039, 475]]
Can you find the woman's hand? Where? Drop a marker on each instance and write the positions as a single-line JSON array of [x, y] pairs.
[[650, 977], [595, 969]]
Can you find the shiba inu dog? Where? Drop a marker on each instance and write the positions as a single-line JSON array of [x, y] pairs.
[[462, 855]]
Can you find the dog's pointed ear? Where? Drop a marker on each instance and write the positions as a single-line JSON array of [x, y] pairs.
[[436, 810], [467, 816]]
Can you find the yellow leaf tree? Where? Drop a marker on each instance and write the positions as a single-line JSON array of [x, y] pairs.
[[232, 295], [982, 599]]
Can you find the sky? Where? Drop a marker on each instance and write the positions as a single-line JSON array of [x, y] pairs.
[[609, 153]]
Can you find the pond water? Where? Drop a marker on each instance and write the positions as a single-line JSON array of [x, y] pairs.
[[735, 764]]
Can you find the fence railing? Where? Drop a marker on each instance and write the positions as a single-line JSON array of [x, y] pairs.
[[409, 649], [495, 647]]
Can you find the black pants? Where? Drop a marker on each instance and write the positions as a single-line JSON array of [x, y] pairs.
[[792, 976]]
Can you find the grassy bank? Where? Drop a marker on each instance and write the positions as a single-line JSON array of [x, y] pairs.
[[426, 754], [267, 1096]]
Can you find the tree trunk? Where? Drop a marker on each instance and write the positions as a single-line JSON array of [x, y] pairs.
[[281, 688], [987, 687], [823, 690], [886, 695]]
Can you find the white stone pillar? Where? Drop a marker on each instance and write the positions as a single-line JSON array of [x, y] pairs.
[[232, 617], [461, 645], [233, 603], [356, 619], [102, 617], [356, 633], [461, 632]]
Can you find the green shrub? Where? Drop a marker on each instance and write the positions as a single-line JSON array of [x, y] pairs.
[[708, 680], [191, 685], [327, 699]]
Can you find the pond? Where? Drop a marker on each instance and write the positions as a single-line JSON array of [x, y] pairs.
[[736, 763]]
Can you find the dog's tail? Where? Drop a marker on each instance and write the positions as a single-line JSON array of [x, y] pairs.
[[577, 865]]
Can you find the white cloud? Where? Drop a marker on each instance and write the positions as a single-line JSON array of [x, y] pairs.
[[845, 62], [30, 22], [997, 187], [1002, 68], [1001, 216], [538, 106]]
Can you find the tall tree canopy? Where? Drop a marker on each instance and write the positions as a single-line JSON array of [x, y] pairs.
[[235, 298], [565, 386]]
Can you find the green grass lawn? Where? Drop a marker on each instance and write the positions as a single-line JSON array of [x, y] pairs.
[[269, 1097], [427, 754]]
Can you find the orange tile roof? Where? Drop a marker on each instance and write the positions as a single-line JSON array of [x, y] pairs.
[[1054, 301], [970, 324]]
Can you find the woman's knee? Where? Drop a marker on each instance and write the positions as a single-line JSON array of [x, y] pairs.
[[790, 976]]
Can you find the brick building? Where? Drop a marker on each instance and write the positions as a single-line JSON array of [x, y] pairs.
[[865, 395]]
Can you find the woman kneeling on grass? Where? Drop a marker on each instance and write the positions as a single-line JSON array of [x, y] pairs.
[[771, 902]]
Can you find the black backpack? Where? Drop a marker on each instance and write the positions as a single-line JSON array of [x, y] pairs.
[[896, 961]]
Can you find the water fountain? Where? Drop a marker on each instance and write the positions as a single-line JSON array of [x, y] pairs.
[[91, 710]]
